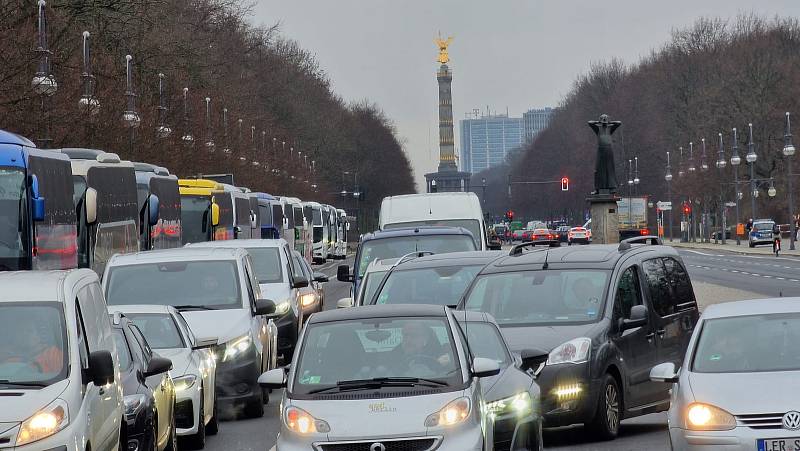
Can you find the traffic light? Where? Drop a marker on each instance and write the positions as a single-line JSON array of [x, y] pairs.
[[564, 183], [510, 215], [687, 209]]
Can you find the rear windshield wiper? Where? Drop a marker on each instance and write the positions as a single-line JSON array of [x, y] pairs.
[[22, 384], [193, 307]]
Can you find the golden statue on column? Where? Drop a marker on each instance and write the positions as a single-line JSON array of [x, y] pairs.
[[444, 58]]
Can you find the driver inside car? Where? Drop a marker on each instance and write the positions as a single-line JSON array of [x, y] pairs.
[[419, 351]]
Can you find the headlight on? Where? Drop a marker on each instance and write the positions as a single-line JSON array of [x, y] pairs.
[[573, 351], [519, 404], [134, 403], [302, 422], [44, 423], [705, 417], [307, 300], [283, 307], [184, 382], [236, 347], [453, 413]]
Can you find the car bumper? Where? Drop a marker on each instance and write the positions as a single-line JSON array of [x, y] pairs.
[[71, 438], [511, 432], [465, 440], [579, 240], [559, 409], [737, 439], [237, 380], [187, 411], [758, 241]]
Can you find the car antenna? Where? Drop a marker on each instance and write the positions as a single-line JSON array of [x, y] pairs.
[[546, 253]]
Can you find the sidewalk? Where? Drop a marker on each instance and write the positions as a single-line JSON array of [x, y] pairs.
[[731, 246]]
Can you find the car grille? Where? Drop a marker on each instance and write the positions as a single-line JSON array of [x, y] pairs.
[[761, 420], [184, 414], [413, 444]]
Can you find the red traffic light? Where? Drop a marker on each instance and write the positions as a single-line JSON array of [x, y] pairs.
[[687, 209], [510, 215], [564, 183]]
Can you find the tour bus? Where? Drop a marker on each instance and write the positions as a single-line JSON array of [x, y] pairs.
[[435, 209], [343, 225], [327, 221], [104, 197], [255, 212], [333, 220], [319, 235], [293, 209], [159, 201], [37, 218], [206, 211], [242, 215], [308, 218], [270, 226]]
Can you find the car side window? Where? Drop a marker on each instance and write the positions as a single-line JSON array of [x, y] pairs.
[[148, 353], [682, 292], [658, 286], [83, 346], [628, 293]]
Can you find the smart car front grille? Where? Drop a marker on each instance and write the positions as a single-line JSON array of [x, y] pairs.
[[405, 444], [761, 420]]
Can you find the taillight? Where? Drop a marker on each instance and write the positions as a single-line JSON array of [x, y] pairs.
[[644, 232]]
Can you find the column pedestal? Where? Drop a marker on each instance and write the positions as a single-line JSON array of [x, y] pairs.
[[605, 221]]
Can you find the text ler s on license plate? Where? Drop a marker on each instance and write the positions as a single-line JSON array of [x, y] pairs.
[[778, 444]]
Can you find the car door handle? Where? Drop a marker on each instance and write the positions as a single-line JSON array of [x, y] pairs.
[[661, 333]]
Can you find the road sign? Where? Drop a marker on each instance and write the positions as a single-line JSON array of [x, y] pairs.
[[664, 206], [730, 204]]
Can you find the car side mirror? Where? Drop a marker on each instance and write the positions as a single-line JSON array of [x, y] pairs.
[[265, 307], [320, 277], [343, 274], [664, 372], [158, 365], [91, 205], [101, 368], [299, 282], [482, 367], [275, 378], [205, 343], [638, 318], [344, 303], [154, 205], [37, 201], [214, 214]]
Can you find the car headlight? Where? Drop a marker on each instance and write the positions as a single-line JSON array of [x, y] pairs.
[[44, 423], [302, 422], [184, 382], [283, 307], [573, 351], [519, 404], [705, 417], [454, 412], [134, 403], [308, 299], [236, 347]]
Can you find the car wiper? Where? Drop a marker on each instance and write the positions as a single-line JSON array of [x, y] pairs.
[[193, 307], [378, 382], [22, 384]]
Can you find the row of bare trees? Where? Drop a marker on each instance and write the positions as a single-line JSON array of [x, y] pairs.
[[270, 102], [710, 78]]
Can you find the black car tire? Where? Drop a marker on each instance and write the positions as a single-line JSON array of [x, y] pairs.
[[213, 426], [752, 244], [605, 424], [198, 439], [255, 407], [172, 445]]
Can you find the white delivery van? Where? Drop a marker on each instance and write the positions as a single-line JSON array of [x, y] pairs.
[[435, 209]]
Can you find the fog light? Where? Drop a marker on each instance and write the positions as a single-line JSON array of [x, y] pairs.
[[568, 391]]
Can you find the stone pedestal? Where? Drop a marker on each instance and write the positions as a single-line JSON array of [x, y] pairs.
[[605, 221]]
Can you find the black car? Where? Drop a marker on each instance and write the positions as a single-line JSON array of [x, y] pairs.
[[562, 232], [591, 322], [148, 389]]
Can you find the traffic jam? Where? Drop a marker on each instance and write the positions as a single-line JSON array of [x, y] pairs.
[[143, 311]]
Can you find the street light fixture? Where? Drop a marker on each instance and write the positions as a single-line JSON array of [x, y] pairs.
[[226, 148], [187, 138], [668, 178], [210, 145], [751, 158], [636, 171], [162, 130], [691, 167], [130, 117], [43, 83], [88, 102], [680, 162], [721, 163], [788, 152], [736, 160], [703, 161]]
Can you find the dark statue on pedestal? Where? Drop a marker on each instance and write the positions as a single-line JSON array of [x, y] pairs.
[[605, 176]]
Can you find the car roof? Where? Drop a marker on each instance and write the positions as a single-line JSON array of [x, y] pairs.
[[411, 231], [451, 259], [473, 316], [752, 307], [378, 311], [142, 308], [7, 137], [239, 244], [37, 286], [177, 254], [600, 256]]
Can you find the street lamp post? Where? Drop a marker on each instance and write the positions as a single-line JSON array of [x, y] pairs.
[[226, 148], [210, 145], [44, 83], [721, 163], [130, 117], [162, 130], [88, 102], [668, 179], [705, 218], [187, 138], [788, 152], [736, 160], [751, 158]]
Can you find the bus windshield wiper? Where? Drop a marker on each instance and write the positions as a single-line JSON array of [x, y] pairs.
[[22, 384], [193, 307]]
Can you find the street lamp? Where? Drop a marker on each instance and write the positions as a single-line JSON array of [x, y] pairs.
[[751, 158], [162, 130], [788, 152], [636, 171], [691, 167], [130, 117], [680, 162], [703, 162], [187, 138], [210, 145], [88, 101], [721, 163], [226, 148], [736, 160], [668, 179], [44, 84]]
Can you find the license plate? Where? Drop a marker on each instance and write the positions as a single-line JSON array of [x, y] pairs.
[[778, 444]]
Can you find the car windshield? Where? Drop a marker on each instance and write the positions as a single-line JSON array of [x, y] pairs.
[[33, 344], [12, 223], [370, 285], [473, 225], [442, 285], [181, 284], [544, 297], [749, 344], [485, 341], [123, 352], [353, 350], [159, 329], [402, 245], [194, 217], [762, 226], [267, 264]]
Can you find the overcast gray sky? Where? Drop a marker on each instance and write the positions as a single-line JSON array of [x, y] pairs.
[[515, 54]]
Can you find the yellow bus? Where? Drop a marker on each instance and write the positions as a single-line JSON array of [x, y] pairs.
[[206, 211]]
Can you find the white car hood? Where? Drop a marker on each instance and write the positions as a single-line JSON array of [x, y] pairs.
[[15, 409], [748, 393], [181, 358], [223, 324]]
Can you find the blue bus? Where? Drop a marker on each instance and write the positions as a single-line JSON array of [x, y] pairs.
[[37, 218]]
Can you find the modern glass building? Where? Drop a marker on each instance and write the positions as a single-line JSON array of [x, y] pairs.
[[486, 141], [535, 121]]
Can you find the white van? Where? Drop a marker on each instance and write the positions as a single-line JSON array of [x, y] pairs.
[[435, 209], [320, 232], [59, 386]]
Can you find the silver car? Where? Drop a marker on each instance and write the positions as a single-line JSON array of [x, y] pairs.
[[383, 377], [737, 387]]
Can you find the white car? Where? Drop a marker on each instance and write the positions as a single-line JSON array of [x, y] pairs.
[[193, 367], [60, 386], [737, 387]]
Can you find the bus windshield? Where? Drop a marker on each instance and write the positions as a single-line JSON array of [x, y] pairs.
[[194, 215], [317, 216], [12, 218]]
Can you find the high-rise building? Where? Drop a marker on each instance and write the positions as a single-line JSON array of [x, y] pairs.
[[487, 140], [535, 121]]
